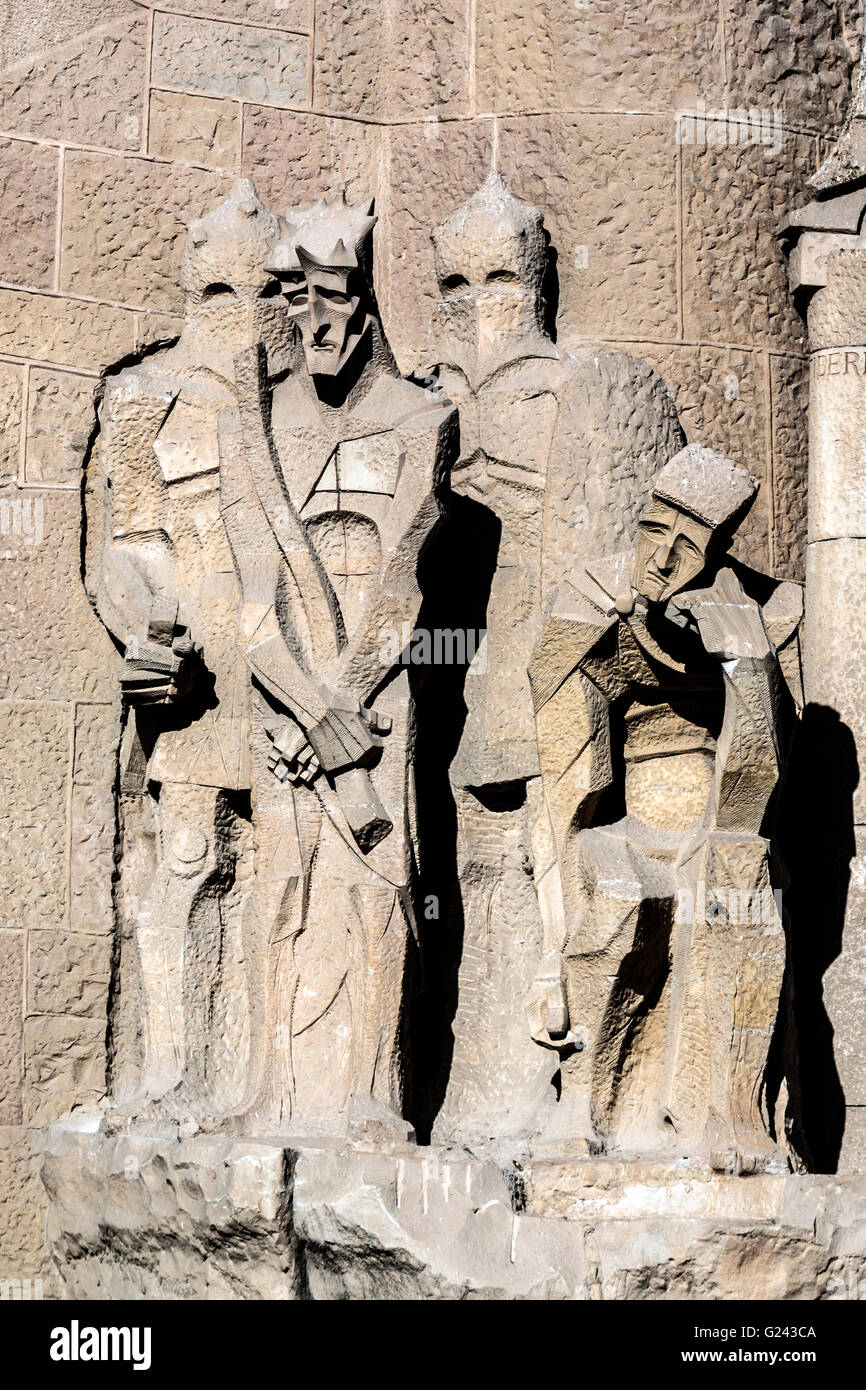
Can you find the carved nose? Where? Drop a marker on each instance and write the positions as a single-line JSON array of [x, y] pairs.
[[663, 556], [318, 319]]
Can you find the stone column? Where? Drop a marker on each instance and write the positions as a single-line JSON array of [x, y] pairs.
[[828, 274]]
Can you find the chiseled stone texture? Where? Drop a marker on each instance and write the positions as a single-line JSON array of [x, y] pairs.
[[392, 58], [56, 648], [23, 1207], [88, 88], [790, 391], [64, 1067], [432, 168], [11, 396], [60, 421], [795, 58], [229, 59], [295, 157], [213, 1218], [194, 130], [142, 209], [607, 188], [28, 212], [562, 55], [279, 14], [834, 654], [843, 984], [49, 328], [67, 973], [11, 1025], [34, 755], [92, 830], [735, 286]]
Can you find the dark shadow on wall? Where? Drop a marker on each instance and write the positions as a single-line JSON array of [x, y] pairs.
[[456, 574], [550, 288], [816, 838]]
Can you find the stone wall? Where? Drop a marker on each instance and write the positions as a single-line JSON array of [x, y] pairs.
[[120, 121]]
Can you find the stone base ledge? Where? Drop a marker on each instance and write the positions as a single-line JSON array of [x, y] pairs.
[[217, 1218]]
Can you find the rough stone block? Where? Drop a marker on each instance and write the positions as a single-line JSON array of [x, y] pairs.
[[296, 158], [11, 395], [156, 328], [11, 1025], [28, 212], [280, 14], [194, 130], [432, 167], [97, 731], [57, 649], [797, 60], [229, 60], [33, 27], [52, 328], [607, 190], [137, 256], [393, 59], [64, 1067], [61, 416], [68, 973], [852, 1157], [88, 89], [23, 1204], [91, 859], [558, 54], [34, 754], [790, 396], [734, 200]]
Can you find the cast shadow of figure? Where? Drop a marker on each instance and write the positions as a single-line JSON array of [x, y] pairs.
[[816, 837], [456, 575], [550, 288]]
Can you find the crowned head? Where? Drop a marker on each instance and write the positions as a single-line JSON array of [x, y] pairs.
[[323, 261]]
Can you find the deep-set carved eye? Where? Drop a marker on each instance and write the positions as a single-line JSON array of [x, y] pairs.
[[218, 291], [271, 290], [334, 296], [454, 282], [502, 277]]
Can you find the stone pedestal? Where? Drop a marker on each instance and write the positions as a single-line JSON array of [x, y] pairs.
[[212, 1218]]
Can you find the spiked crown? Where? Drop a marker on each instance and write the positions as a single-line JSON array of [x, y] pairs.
[[328, 234]]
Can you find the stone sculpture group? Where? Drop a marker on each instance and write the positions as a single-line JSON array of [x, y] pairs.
[[599, 966]]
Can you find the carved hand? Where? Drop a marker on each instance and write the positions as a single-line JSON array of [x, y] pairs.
[[160, 668], [728, 622], [348, 735]]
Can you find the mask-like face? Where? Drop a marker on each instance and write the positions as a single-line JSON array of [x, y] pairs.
[[670, 551], [495, 292], [237, 315], [327, 304]]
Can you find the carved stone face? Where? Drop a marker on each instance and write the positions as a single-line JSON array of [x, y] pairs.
[[670, 551], [237, 313], [327, 304], [494, 289]]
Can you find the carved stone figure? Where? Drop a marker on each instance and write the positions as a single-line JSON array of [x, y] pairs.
[[663, 708], [332, 487], [160, 573], [556, 451]]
